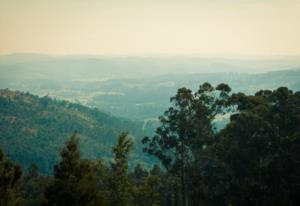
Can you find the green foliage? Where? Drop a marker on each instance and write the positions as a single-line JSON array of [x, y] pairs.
[[31, 188], [254, 160], [32, 129], [146, 194], [9, 177], [156, 171], [146, 186], [75, 180], [120, 194], [139, 173], [259, 149], [187, 129]]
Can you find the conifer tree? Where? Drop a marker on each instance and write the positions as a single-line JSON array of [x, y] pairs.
[[119, 183], [139, 173], [75, 180]]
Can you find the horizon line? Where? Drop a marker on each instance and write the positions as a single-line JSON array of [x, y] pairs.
[[247, 56]]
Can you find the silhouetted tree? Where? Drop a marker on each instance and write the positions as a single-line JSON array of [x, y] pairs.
[[31, 188], [120, 186], [75, 181], [259, 149], [186, 129], [10, 174]]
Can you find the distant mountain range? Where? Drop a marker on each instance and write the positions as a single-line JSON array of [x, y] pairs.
[[128, 92], [91, 67], [139, 88]]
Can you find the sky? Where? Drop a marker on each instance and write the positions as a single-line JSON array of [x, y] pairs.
[[141, 27]]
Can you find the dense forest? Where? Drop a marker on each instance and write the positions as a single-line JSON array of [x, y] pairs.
[[253, 160], [33, 128]]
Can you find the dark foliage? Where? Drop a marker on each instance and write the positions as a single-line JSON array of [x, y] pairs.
[[254, 160]]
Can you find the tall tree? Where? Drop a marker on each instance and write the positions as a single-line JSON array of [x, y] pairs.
[[147, 193], [255, 158], [138, 174], [75, 181], [186, 129], [119, 183]]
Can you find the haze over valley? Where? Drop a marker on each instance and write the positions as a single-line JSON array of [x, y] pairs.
[[139, 88], [149, 103]]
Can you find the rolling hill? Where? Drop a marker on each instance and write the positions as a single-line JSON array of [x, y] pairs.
[[32, 129], [139, 88]]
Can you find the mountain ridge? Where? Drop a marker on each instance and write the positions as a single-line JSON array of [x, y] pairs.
[[32, 129]]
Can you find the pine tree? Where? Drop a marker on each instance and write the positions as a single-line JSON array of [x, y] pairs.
[[119, 183], [75, 181], [139, 173]]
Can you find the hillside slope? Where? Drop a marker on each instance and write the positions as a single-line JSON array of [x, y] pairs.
[[32, 129]]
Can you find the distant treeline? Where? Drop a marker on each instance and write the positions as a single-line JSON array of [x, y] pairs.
[[254, 160]]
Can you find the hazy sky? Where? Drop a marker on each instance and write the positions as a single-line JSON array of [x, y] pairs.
[[137, 27]]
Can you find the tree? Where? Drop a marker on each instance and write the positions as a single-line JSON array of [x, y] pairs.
[[186, 129], [10, 174], [75, 181], [147, 193], [139, 173], [33, 171], [119, 183], [31, 188], [156, 171], [257, 153], [145, 187]]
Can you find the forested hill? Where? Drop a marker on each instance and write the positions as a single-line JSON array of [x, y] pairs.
[[32, 129]]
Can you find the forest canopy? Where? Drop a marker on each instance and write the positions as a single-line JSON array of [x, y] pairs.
[[253, 160]]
